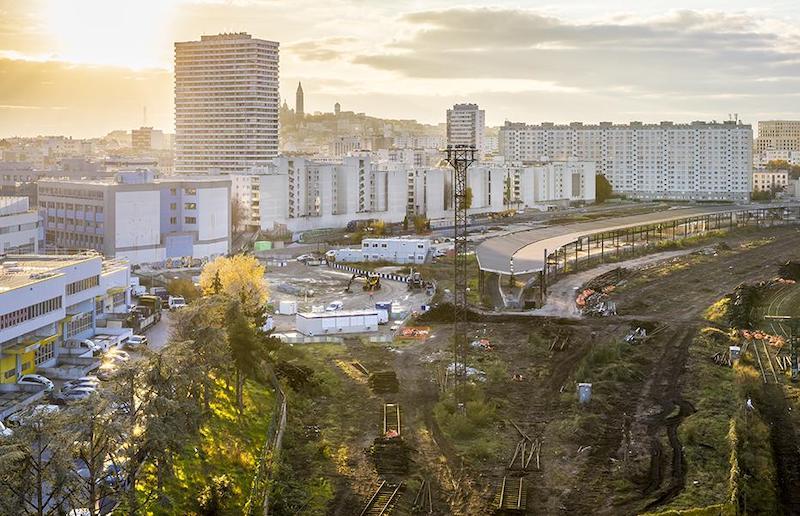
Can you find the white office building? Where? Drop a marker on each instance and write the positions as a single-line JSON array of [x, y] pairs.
[[394, 250], [696, 161], [466, 125], [226, 103], [138, 217]]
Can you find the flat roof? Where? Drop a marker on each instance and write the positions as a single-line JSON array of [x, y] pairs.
[[19, 270], [528, 246], [337, 313]]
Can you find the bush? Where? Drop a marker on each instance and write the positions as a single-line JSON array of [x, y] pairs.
[[185, 288]]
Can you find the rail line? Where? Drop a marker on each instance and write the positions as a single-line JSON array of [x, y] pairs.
[[768, 374], [511, 495], [391, 420], [383, 500]]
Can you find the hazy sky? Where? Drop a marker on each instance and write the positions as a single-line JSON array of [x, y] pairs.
[[85, 67]]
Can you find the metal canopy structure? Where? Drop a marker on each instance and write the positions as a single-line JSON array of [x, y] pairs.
[[460, 157], [525, 250]]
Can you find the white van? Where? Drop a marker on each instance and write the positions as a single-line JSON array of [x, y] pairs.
[[175, 302]]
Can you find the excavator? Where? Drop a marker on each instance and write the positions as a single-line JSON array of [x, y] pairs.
[[371, 282]]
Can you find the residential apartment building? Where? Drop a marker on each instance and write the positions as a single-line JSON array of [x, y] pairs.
[[770, 180], [296, 194], [761, 159], [466, 125], [696, 161], [226, 103], [138, 217], [46, 300], [778, 135]]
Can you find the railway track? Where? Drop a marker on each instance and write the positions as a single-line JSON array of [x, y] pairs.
[[383, 500], [391, 420], [765, 364], [511, 496]]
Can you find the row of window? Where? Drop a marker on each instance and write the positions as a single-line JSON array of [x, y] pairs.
[[29, 312], [69, 206], [81, 285]]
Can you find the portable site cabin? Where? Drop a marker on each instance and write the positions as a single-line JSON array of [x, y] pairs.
[[336, 323]]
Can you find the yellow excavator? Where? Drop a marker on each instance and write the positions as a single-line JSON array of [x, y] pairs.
[[372, 282]]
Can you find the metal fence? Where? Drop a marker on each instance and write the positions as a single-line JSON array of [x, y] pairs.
[[355, 270]]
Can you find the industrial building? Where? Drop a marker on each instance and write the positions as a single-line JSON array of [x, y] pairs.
[[46, 300], [138, 217], [697, 161], [338, 322]]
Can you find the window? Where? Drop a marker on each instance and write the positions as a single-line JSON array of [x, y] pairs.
[[78, 324], [21, 315], [173, 206], [43, 354], [190, 191], [190, 220], [173, 220], [80, 285], [189, 206], [11, 373], [173, 191]]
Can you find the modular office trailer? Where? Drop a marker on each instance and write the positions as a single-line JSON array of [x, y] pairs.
[[336, 323]]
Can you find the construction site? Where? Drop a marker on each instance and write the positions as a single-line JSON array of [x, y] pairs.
[[641, 366]]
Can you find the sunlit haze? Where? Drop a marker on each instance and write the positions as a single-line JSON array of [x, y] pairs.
[[65, 62]]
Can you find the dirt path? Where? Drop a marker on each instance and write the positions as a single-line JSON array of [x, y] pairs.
[[561, 295]]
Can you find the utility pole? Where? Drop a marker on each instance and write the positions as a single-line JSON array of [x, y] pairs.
[[794, 327], [460, 157]]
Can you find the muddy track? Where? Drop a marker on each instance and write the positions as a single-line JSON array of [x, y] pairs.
[[783, 437]]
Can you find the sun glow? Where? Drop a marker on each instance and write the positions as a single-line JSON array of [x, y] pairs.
[[109, 32]]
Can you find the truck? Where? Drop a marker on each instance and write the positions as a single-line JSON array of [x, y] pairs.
[[161, 292], [145, 314]]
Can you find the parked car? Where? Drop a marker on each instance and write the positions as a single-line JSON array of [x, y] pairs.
[[175, 302], [135, 341], [85, 344], [36, 379], [117, 355], [304, 258], [82, 381], [138, 290], [77, 394], [5, 431], [107, 370], [35, 411]]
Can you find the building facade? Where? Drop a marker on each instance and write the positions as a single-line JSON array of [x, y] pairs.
[[226, 103], [778, 135], [770, 180], [466, 125], [138, 217], [46, 300], [697, 161], [19, 226]]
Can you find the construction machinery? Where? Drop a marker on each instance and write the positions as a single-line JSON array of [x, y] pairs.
[[372, 282]]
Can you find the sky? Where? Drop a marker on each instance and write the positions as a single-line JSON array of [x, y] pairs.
[[86, 67]]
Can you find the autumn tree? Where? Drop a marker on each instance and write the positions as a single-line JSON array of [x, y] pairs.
[[241, 279], [420, 224], [602, 189], [185, 288]]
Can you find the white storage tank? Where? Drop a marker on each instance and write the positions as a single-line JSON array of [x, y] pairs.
[[336, 323]]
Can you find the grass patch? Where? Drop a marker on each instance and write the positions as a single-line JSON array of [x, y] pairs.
[[472, 431], [717, 312], [226, 445]]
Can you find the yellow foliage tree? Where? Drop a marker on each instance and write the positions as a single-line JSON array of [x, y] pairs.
[[239, 277]]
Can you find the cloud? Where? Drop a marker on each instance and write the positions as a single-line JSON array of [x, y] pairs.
[[328, 49], [681, 53]]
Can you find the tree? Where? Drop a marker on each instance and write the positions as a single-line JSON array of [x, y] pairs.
[[378, 228], [405, 223], [468, 197], [602, 189], [185, 288], [420, 224], [242, 280], [237, 214], [36, 467], [213, 499], [243, 344]]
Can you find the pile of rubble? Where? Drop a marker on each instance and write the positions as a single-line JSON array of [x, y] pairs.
[[772, 340], [593, 303], [390, 455]]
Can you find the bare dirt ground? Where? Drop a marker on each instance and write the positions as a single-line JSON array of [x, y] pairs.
[[620, 455]]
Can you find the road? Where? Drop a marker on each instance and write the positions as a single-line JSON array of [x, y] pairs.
[[158, 335]]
